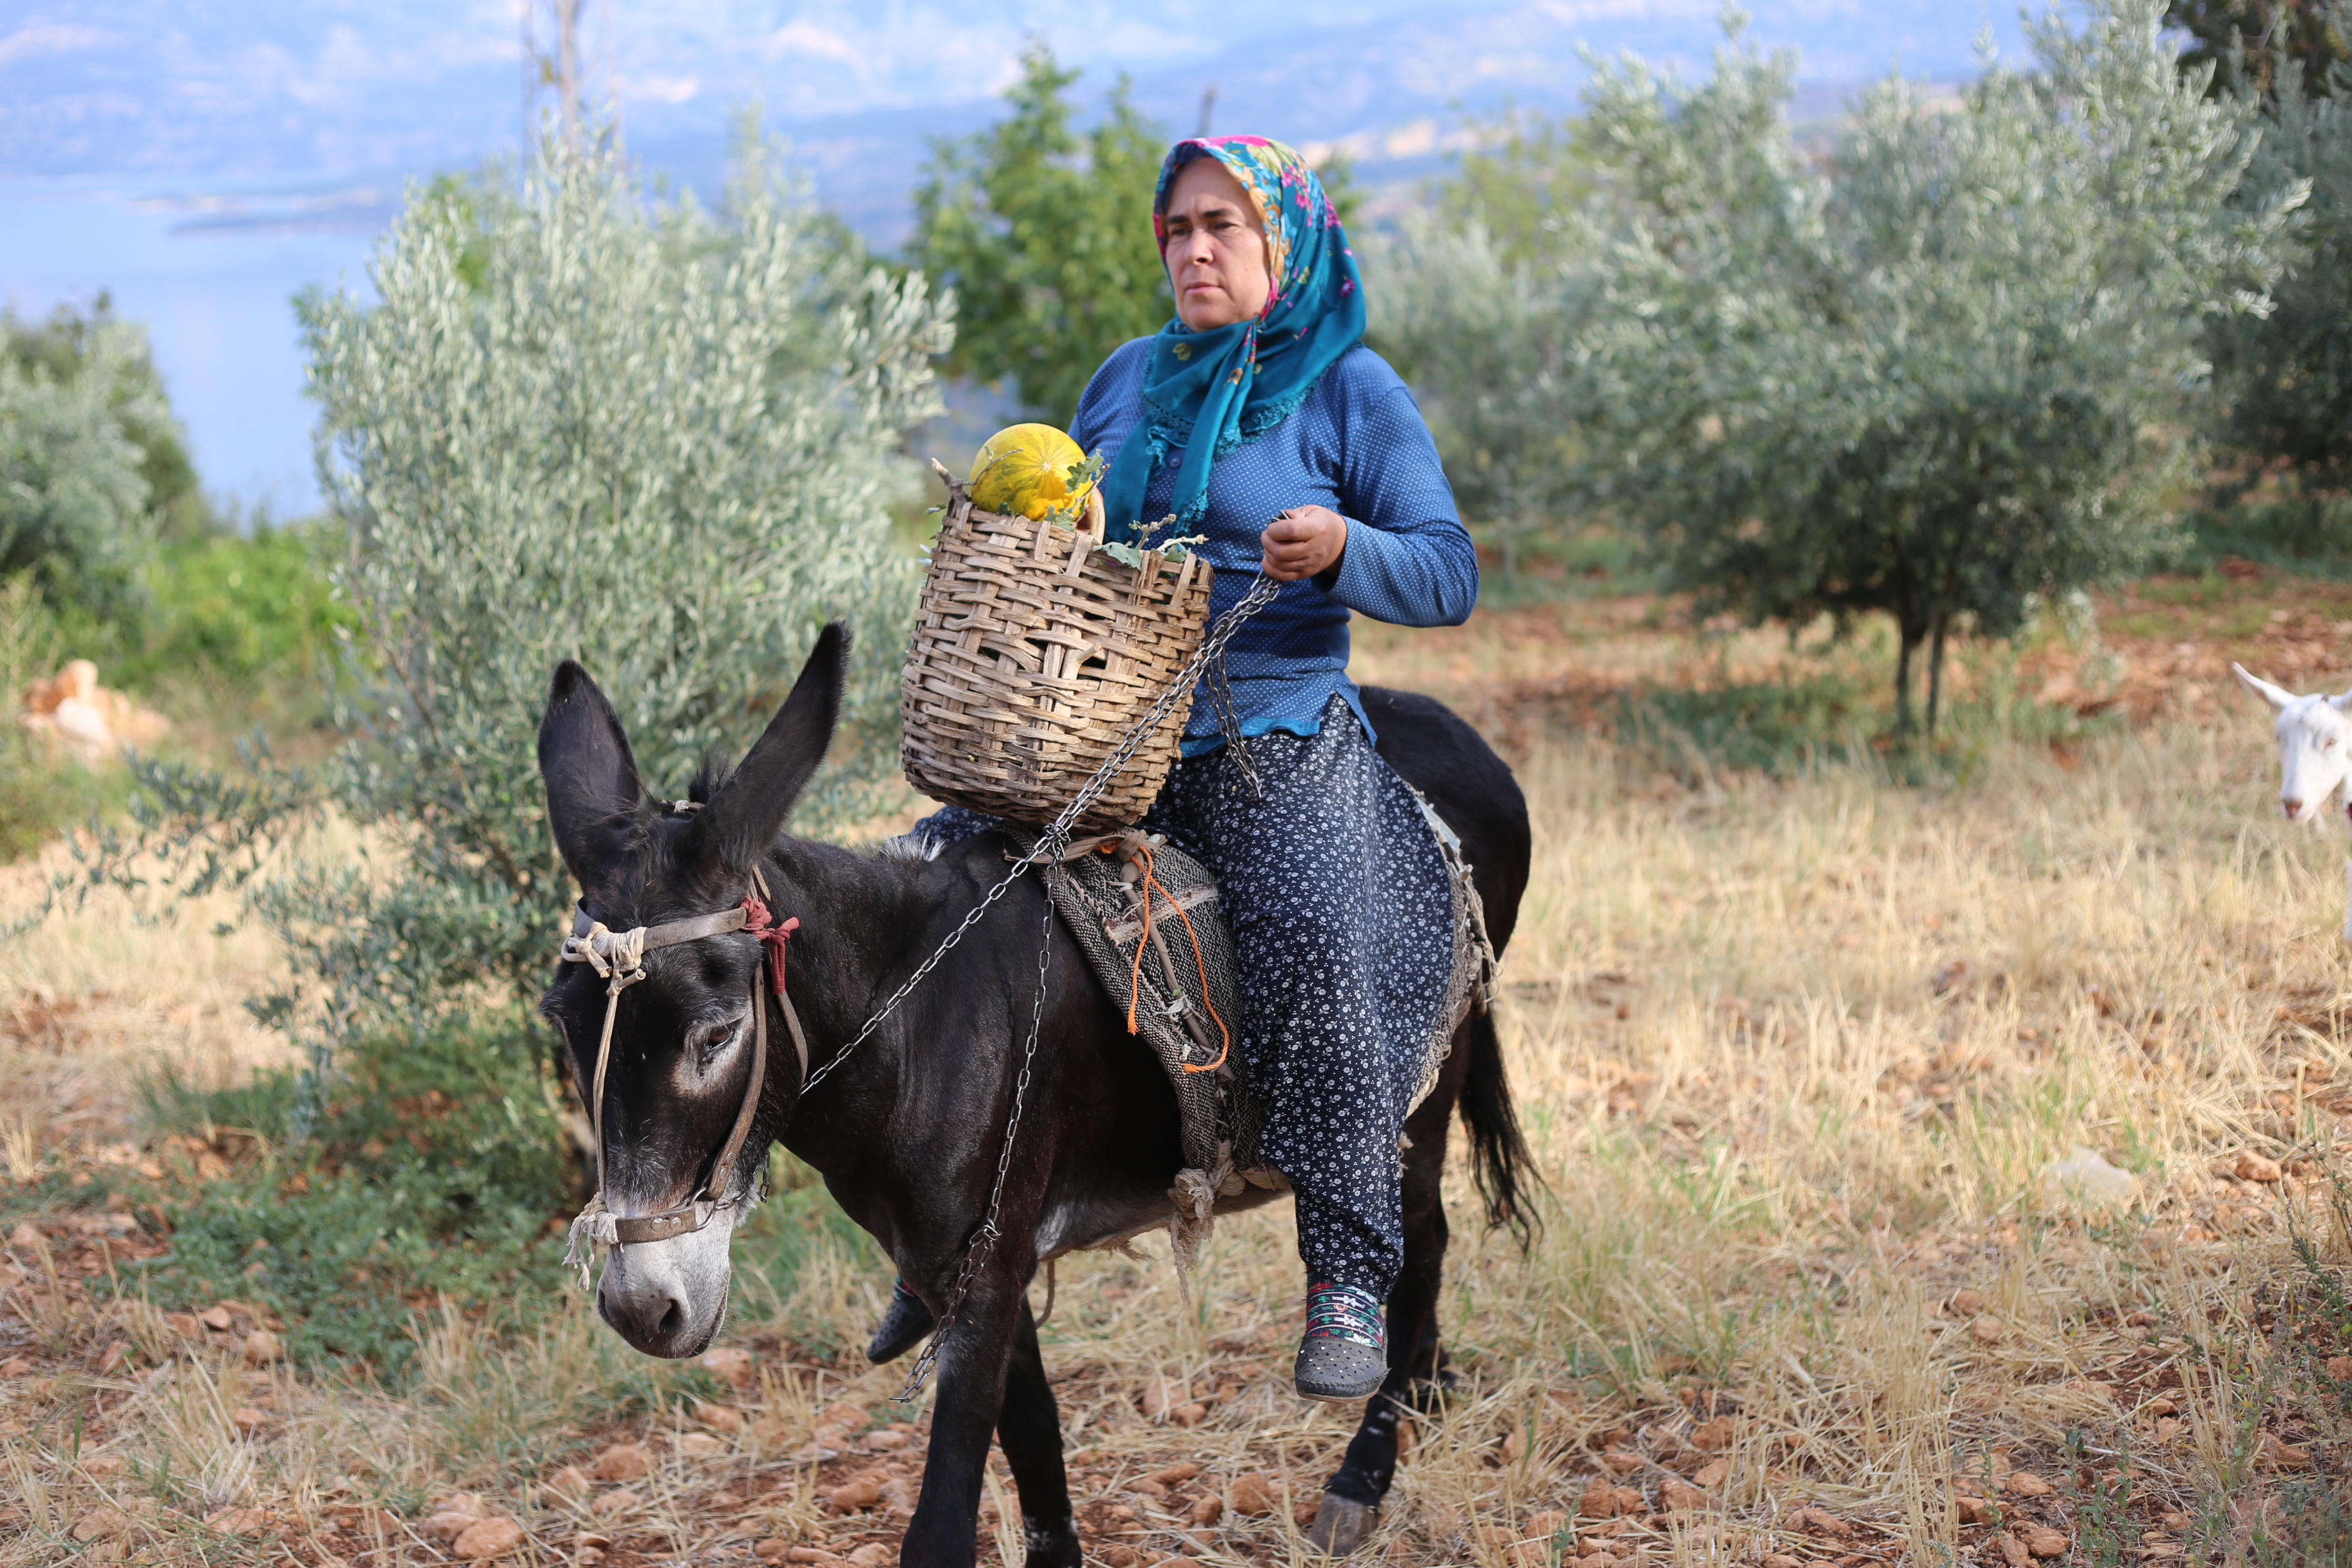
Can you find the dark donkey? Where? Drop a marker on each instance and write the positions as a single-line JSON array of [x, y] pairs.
[[907, 1134]]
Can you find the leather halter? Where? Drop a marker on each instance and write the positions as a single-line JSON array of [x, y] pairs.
[[618, 957]]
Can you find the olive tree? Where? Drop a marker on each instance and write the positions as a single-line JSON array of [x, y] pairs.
[[1938, 371], [2285, 377], [574, 421]]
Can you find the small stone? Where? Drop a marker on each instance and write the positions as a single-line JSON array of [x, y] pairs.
[[103, 1465], [247, 1420], [486, 1539], [101, 1525], [1782, 1560], [719, 1417], [1162, 1395], [1627, 1502], [2250, 1166], [1595, 1501], [1253, 1495], [261, 1348], [217, 1317], [772, 1549], [2042, 1541], [623, 1462], [566, 1485], [817, 1554], [729, 1366], [1623, 1461], [1176, 1474], [1209, 1509], [888, 1441], [2339, 1368], [614, 1503], [1190, 1413], [850, 1497], [27, 1236], [1714, 1436], [184, 1325], [873, 1554], [239, 1522], [2285, 1456], [449, 1524], [2012, 1550], [1679, 1496], [697, 1445], [1987, 1330], [1968, 1303], [847, 1416], [1712, 1474], [1972, 1509], [2025, 1483]]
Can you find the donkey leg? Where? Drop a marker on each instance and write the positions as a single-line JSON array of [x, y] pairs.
[[1353, 1497], [1030, 1429], [974, 1363]]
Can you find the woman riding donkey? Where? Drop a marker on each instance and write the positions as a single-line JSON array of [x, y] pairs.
[[1260, 401]]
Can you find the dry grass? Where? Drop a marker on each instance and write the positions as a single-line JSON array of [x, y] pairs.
[[1795, 1056]]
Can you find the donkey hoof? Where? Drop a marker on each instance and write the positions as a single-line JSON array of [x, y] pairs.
[[1340, 1526]]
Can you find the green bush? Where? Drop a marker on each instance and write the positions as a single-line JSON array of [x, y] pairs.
[[240, 607]]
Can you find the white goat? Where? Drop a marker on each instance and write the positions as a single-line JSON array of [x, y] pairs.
[[2314, 741]]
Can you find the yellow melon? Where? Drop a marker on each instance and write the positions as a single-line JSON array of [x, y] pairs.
[[1024, 469]]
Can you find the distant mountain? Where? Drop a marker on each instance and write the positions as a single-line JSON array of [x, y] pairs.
[[318, 94]]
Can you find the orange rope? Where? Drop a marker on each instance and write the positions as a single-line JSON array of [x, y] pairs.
[[1135, 973]]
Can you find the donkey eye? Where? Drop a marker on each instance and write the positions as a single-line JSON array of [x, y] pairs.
[[711, 1041]]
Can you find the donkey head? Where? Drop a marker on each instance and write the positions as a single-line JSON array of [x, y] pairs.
[[682, 1043], [2314, 740]]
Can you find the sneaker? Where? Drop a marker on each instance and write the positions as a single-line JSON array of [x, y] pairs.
[[1345, 1353], [904, 1323]]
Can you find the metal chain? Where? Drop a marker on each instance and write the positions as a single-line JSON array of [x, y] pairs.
[[985, 1240], [1057, 835]]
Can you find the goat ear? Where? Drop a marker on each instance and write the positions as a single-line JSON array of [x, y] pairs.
[[592, 790], [2342, 704], [753, 806], [2276, 696]]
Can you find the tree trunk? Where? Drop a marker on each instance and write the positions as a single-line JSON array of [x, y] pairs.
[[1903, 681], [1935, 670]]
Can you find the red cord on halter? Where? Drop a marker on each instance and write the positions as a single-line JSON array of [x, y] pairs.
[[773, 936]]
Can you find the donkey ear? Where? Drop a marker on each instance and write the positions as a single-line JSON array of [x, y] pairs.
[[592, 790], [753, 806], [2276, 696]]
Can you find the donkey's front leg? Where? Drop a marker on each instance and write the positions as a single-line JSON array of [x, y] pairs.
[[974, 1359]]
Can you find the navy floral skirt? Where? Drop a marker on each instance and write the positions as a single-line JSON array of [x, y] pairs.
[[1343, 929]]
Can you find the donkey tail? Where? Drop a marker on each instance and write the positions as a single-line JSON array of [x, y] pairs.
[[1499, 1160]]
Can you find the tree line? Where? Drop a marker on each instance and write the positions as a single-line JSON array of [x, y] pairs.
[[1947, 360]]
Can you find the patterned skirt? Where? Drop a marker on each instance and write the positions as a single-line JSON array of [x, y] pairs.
[[1343, 931]]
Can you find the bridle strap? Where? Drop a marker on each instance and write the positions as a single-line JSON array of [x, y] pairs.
[[618, 957]]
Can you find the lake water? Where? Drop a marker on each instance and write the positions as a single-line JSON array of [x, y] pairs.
[[213, 279]]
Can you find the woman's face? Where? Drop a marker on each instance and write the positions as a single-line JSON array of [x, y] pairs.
[[1216, 248]]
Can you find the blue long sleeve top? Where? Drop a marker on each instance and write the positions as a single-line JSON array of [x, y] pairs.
[[1358, 445]]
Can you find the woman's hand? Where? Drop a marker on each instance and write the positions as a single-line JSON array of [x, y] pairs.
[[1302, 542]]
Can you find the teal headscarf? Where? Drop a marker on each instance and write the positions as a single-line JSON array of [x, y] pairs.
[[1208, 392]]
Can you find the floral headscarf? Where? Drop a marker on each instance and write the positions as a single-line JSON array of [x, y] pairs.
[[1208, 392]]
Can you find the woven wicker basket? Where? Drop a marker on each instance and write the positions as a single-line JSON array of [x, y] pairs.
[[1034, 653]]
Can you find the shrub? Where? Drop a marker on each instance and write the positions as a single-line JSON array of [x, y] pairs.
[[73, 502]]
